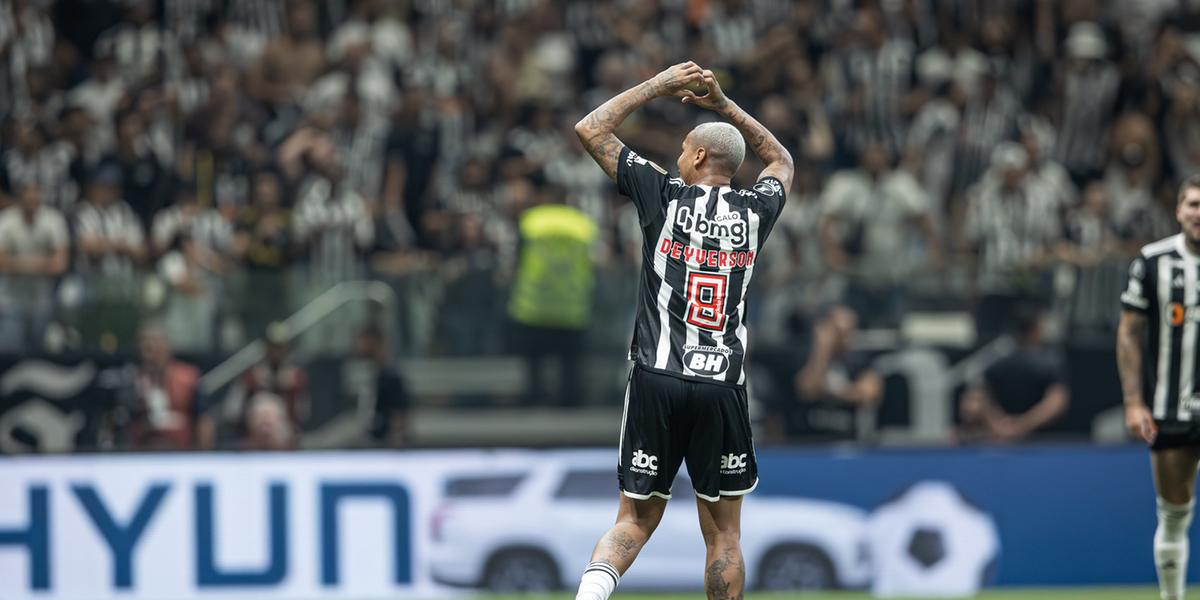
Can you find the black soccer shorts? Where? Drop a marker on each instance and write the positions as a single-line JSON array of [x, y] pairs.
[[668, 420], [1176, 434]]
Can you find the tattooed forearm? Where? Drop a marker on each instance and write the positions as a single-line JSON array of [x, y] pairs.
[[596, 130], [761, 140], [1129, 355]]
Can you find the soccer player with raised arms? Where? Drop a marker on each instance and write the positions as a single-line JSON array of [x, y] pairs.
[[1163, 301], [686, 396]]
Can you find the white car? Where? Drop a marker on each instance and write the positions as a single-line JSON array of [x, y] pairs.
[[531, 526]]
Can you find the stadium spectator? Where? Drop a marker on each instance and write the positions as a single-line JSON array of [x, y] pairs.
[[1090, 235], [263, 244], [869, 219], [37, 159], [551, 299], [386, 395], [869, 84], [279, 385], [27, 40], [141, 48], [1021, 395], [834, 385], [413, 149], [206, 228], [42, 99], [99, 95], [470, 302], [333, 228], [190, 88], [1132, 177], [162, 409], [34, 253], [291, 62], [1037, 137], [1010, 229], [933, 137], [1087, 85], [1182, 128], [989, 118], [192, 245], [109, 235], [141, 170], [267, 424]]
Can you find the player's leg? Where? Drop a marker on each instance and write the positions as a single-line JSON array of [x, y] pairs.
[[614, 553], [721, 526], [723, 468], [646, 469], [1174, 483]]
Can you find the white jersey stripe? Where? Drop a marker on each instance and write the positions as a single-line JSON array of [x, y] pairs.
[[1162, 383], [695, 241], [752, 242], [624, 417], [723, 207], [663, 352], [1187, 352]]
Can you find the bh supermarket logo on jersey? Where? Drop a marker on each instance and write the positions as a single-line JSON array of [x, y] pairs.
[[706, 360]]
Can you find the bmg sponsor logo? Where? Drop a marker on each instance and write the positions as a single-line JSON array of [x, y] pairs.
[[646, 464], [728, 226]]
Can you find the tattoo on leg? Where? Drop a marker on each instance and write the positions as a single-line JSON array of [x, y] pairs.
[[722, 574], [618, 546]]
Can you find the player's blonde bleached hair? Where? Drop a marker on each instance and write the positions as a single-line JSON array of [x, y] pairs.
[[723, 143]]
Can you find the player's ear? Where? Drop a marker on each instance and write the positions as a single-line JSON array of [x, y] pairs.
[[701, 155]]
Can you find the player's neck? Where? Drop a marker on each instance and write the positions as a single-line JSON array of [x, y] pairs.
[[712, 180], [1193, 246]]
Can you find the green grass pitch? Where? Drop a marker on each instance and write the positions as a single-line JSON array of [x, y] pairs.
[[1105, 593]]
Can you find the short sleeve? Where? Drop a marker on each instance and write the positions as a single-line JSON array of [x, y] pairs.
[[771, 195], [1138, 292], [646, 183]]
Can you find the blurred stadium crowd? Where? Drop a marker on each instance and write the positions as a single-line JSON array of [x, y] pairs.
[[216, 164]]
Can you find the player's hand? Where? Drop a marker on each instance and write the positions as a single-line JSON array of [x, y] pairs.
[[1140, 422], [674, 79], [712, 99]]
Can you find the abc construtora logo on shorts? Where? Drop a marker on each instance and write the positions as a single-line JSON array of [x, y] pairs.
[[646, 464]]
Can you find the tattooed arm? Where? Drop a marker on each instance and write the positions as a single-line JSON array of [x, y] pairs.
[[762, 142], [1130, 331], [596, 130]]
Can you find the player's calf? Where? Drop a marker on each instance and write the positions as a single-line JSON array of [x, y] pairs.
[[1171, 547]]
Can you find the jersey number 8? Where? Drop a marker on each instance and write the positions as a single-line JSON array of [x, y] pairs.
[[706, 300]]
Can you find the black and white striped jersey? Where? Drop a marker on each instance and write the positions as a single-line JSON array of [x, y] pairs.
[[698, 254], [1164, 285]]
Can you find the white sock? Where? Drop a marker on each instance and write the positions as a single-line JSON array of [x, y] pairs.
[[1171, 547], [598, 581]]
